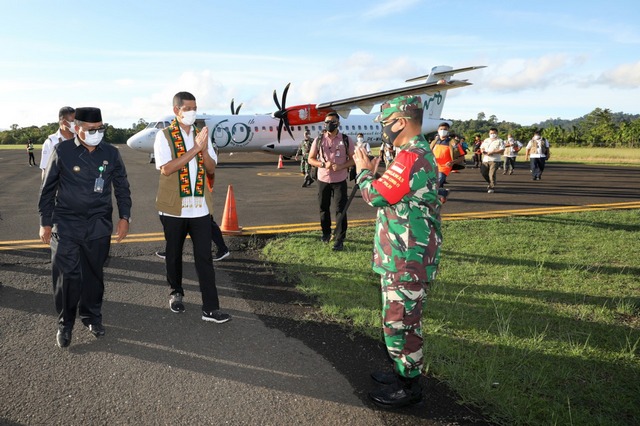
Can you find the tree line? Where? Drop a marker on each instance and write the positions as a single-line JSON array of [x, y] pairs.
[[599, 128], [20, 135]]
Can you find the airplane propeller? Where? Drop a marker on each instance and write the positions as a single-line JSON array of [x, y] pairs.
[[281, 113], [236, 110]]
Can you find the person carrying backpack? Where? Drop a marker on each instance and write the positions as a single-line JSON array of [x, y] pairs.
[[332, 154]]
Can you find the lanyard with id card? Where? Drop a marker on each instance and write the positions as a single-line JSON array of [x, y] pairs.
[[99, 185]]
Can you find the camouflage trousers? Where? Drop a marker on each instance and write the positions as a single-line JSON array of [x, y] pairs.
[[304, 167], [402, 304]]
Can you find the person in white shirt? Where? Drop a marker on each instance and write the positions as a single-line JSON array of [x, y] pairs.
[[66, 131], [361, 142], [511, 149], [492, 149], [187, 161], [537, 151]]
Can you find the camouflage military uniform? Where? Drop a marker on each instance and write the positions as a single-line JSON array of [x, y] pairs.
[[406, 246], [303, 152]]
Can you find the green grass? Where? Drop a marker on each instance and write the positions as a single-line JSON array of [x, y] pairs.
[[534, 331]]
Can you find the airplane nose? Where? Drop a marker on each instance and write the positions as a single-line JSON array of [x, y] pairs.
[[132, 141]]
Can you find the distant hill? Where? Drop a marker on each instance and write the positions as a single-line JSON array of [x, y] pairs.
[[616, 118]]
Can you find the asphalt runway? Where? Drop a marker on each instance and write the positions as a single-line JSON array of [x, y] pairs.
[[273, 363], [269, 199]]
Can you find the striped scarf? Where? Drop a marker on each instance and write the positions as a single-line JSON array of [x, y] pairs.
[[186, 193]]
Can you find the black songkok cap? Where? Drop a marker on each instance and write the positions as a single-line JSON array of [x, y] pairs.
[[89, 115]]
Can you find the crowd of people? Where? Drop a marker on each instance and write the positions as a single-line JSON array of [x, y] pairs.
[[81, 175]]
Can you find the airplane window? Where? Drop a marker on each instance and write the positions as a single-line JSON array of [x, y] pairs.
[[151, 125], [167, 124], [264, 128], [256, 128], [359, 127], [160, 125], [271, 128], [313, 128]]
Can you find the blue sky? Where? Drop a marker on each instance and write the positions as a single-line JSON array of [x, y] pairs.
[[545, 59]]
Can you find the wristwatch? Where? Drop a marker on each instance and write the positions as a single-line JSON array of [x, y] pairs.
[[127, 218], [323, 164]]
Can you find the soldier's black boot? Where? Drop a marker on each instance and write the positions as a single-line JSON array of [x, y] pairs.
[[403, 392], [384, 377]]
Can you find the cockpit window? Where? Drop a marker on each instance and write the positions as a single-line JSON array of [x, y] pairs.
[[151, 125], [160, 125]]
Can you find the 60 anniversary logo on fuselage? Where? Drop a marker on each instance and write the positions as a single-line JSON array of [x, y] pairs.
[[239, 134]]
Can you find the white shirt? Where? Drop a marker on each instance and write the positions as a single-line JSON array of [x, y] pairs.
[[47, 148], [491, 145], [162, 153], [535, 148]]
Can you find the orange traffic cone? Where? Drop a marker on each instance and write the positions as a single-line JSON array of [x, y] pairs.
[[280, 165], [229, 216]]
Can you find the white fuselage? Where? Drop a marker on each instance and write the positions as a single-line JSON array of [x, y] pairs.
[[259, 133]]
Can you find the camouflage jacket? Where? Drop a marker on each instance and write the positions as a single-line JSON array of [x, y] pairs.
[[408, 232], [304, 148]]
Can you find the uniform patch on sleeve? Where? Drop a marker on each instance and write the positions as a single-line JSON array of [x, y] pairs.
[[394, 183]]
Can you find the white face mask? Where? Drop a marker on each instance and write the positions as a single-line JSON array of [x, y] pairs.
[[510, 139], [443, 133], [536, 138], [92, 139], [189, 117], [493, 135], [360, 140], [71, 126]]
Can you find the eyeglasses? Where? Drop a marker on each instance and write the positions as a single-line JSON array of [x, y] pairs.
[[93, 131]]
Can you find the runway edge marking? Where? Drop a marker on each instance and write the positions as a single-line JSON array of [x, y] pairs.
[[305, 227]]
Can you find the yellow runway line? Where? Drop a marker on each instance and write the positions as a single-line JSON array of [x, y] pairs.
[[305, 227]]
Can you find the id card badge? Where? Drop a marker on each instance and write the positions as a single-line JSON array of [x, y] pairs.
[[337, 153], [99, 185]]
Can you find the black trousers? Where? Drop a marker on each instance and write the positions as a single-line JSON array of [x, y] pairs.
[[216, 237], [175, 233], [78, 278], [338, 192]]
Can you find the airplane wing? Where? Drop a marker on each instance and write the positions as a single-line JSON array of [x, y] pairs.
[[437, 81]]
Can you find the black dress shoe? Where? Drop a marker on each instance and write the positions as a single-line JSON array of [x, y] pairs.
[[397, 395], [338, 246], [63, 337], [97, 329], [384, 377], [326, 238]]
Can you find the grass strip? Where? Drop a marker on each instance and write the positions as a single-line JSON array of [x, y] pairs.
[[534, 319]]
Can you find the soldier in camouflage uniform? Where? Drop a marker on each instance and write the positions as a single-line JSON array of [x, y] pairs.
[[407, 243], [303, 150]]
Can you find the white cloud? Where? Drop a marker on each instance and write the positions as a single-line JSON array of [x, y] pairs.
[[623, 76], [523, 74]]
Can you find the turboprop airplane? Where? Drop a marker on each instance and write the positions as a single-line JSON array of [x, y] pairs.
[[263, 132]]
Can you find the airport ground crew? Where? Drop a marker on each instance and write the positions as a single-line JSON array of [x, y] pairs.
[[407, 243], [75, 218]]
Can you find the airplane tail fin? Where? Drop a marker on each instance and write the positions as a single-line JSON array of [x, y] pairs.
[[434, 102]]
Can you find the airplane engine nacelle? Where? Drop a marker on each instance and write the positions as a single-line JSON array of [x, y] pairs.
[[305, 114]]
